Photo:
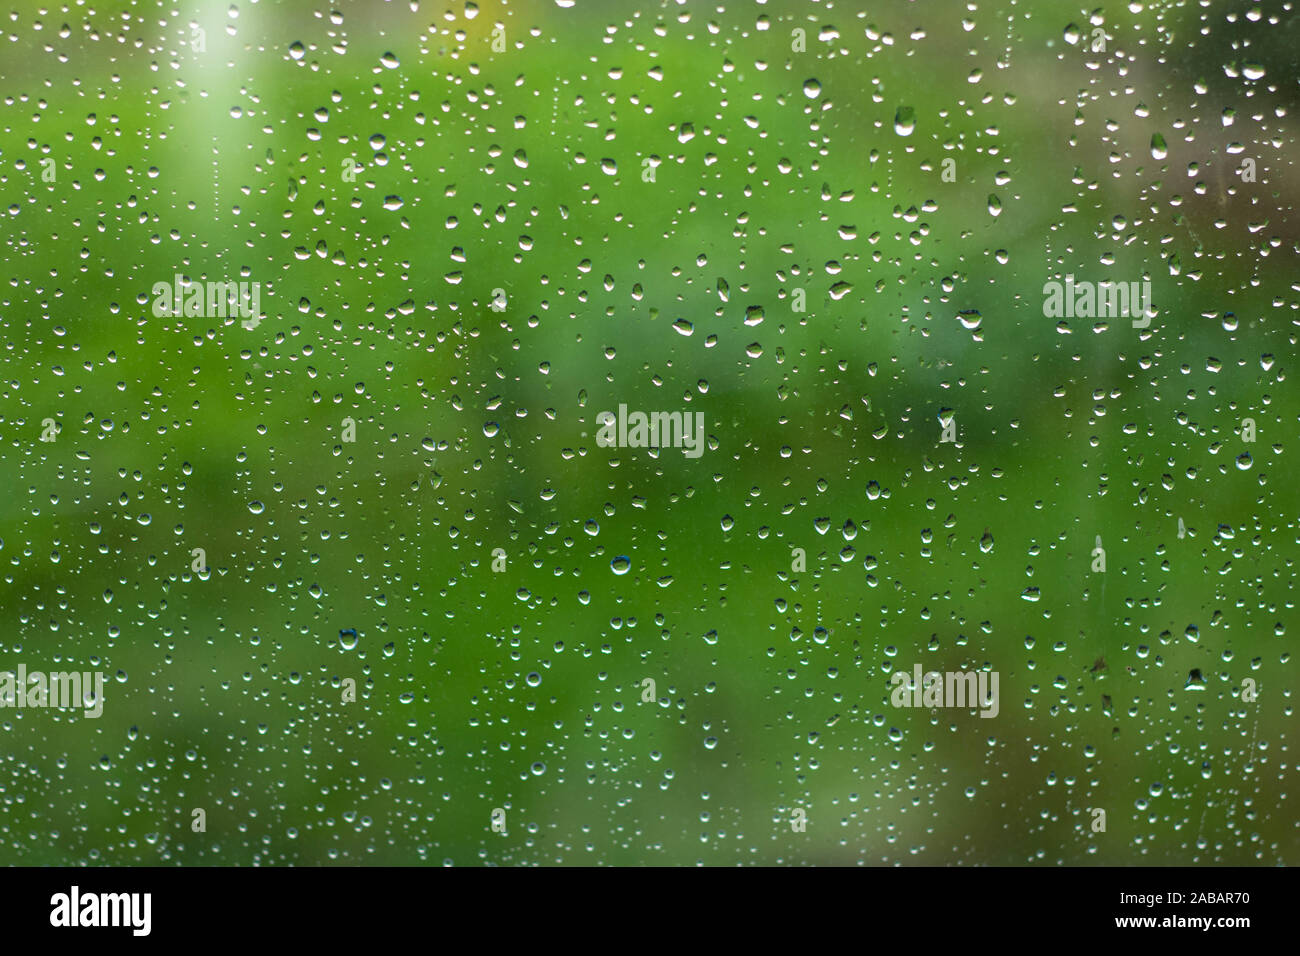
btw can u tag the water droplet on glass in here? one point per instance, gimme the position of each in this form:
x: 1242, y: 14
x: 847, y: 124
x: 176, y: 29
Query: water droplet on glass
x: 904, y: 121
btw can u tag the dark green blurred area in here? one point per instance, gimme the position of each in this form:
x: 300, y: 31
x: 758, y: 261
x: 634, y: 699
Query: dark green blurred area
x: 774, y: 170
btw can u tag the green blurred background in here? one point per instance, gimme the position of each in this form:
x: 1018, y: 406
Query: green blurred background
x: 507, y: 147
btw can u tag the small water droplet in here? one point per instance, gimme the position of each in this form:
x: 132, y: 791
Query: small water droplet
x: 905, y: 121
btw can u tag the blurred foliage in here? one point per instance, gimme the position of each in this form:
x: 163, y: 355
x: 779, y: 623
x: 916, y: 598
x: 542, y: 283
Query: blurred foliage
x: 504, y: 147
